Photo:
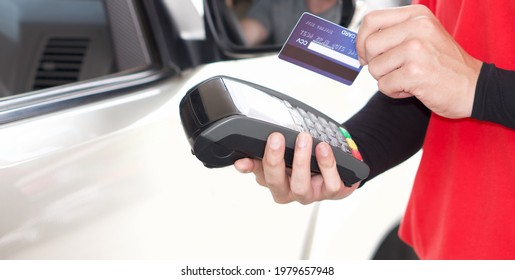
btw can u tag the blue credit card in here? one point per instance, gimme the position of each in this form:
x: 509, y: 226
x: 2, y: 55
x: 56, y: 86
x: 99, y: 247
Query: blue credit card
x: 323, y: 47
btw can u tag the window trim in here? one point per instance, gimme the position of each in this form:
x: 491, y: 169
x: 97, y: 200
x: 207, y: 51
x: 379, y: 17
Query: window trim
x: 37, y: 103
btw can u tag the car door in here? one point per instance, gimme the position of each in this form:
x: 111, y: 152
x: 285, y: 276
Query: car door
x: 94, y: 162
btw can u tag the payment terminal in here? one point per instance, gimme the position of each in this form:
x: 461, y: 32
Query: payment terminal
x: 226, y: 119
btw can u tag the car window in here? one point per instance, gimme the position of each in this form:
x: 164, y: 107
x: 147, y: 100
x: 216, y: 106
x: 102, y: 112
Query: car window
x: 243, y: 27
x: 57, y: 53
x: 51, y: 43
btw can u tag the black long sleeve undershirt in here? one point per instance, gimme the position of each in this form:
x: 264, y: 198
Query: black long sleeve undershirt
x: 494, y: 100
x: 388, y: 131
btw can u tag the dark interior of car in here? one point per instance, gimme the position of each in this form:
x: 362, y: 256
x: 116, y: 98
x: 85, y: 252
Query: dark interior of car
x: 52, y: 42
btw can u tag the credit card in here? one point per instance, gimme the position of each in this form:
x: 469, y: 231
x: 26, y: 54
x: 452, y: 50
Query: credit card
x: 323, y: 47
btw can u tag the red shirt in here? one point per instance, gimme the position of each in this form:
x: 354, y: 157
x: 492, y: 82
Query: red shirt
x: 462, y: 205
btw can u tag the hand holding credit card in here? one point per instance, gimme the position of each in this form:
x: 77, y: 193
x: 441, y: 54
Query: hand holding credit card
x: 323, y: 47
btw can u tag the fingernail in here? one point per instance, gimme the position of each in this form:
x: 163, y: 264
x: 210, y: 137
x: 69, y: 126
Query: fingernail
x: 302, y: 141
x: 275, y: 144
x: 324, y: 151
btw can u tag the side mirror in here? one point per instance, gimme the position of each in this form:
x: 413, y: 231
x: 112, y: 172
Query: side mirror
x: 243, y: 27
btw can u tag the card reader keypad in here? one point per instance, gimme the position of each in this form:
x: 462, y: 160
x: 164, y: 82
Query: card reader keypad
x: 323, y: 130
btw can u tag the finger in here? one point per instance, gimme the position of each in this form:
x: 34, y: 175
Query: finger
x: 247, y: 165
x: 408, y: 51
x: 378, y: 20
x: 244, y: 165
x: 327, y: 164
x: 396, y: 85
x: 387, y: 39
x: 333, y: 186
x: 274, y: 168
x: 259, y: 172
x: 300, y: 183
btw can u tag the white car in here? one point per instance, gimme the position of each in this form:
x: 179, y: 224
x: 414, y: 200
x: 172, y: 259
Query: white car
x: 94, y: 163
